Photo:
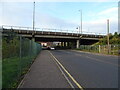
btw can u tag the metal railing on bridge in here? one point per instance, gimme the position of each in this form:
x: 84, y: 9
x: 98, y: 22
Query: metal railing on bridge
x: 50, y: 30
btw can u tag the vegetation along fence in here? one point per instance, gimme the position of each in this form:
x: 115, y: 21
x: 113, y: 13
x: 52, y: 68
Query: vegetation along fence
x: 104, y: 49
x: 18, y: 54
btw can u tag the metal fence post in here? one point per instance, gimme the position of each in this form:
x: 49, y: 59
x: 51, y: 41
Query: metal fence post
x: 1, y: 58
x: 20, y: 56
x: 30, y: 49
x: 99, y: 49
x: 109, y: 49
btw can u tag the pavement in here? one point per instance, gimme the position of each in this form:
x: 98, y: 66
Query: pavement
x: 44, y: 73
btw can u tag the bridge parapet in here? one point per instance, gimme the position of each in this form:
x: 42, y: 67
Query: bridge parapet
x: 47, y: 31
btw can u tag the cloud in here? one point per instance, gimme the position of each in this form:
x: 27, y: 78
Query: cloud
x: 98, y: 22
x: 100, y: 26
x: 109, y: 11
x: 48, y: 21
x: 14, y: 14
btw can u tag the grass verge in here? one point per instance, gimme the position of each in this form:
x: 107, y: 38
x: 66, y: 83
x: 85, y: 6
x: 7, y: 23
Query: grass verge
x: 13, y: 70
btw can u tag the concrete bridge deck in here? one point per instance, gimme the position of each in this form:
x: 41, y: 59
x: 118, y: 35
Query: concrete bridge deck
x: 55, y: 35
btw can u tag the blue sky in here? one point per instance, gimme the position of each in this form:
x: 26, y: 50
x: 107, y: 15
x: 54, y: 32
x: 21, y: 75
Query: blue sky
x: 61, y: 15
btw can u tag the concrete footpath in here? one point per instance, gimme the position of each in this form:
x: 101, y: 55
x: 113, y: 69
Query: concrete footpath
x: 44, y: 73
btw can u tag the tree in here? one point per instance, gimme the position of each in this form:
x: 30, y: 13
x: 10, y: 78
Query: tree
x: 114, y: 39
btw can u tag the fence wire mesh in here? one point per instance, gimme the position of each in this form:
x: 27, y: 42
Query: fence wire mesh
x: 18, y: 54
x: 103, y: 49
x: 0, y: 58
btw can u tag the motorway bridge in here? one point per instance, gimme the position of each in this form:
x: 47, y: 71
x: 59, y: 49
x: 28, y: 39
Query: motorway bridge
x: 51, y: 35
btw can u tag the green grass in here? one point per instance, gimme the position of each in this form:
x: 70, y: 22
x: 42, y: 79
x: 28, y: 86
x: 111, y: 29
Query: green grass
x: 14, y: 69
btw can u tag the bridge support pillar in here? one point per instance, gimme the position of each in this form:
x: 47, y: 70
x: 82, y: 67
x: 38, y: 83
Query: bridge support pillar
x: 33, y: 39
x: 68, y: 44
x: 62, y: 43
x: 78, y: 44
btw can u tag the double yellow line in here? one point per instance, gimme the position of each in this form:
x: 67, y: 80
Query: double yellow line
x: 78, y: 85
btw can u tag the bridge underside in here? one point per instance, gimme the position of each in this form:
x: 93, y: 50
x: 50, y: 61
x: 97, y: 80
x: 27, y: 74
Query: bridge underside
x: 82, y: 41
x: 75, y: 39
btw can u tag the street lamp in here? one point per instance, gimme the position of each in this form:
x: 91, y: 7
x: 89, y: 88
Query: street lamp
x: 81, y: 21
x: 33, y: 18
x: 78, y: 29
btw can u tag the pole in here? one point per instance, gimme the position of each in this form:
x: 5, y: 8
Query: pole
x: 81, y: 21
x: 108, y: 35
x: 33, y: 18
x: 20, y: 55
x: 79, y: 29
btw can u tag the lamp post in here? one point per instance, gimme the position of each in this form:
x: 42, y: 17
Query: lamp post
x: 33, y: 19
x: 81, y: 20
x: 78, y: 29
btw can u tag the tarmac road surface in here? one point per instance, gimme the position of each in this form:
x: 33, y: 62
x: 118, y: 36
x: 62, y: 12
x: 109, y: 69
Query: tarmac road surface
x: 90, y: 70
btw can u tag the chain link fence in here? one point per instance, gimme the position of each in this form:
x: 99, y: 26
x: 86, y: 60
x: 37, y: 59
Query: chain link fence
x: 103, y: 49
x: 18, y: 53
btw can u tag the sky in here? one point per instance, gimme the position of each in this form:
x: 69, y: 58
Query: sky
x: 61, y: 15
